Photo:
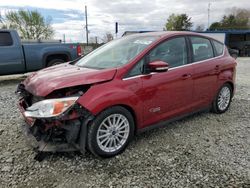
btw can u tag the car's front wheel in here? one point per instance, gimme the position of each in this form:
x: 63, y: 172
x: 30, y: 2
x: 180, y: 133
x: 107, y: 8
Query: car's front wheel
x: 223, y: 99
x: 110, y: 132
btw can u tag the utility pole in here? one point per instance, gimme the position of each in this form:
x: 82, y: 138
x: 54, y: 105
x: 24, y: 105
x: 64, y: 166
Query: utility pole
x: 208, y: 15
x: 116, y: 29
x: 87, y: 31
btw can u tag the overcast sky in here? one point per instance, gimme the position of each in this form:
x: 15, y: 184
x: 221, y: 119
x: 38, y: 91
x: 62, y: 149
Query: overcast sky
x: 68, y: 15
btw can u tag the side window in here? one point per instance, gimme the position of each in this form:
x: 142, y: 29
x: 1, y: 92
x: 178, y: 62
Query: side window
x: 219, y: 48
x: 5, y: 39
x: 173, y: 51
x: 137, y: 69
x: 202, y: 48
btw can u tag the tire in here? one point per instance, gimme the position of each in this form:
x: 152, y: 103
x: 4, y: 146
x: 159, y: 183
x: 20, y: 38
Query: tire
x: 223, y: 99
x: 106, y: 140
x: 55, y: 62
x: 234, y: 56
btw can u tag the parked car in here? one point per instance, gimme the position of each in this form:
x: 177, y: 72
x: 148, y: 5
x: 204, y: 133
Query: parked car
x: 16, y: 57
x: 125, y: 87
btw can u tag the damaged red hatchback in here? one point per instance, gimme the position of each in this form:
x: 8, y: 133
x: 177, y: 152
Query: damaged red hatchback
x: 126, y: 86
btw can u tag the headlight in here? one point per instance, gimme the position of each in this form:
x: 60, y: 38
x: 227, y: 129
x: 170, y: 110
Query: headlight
x: 50, y: 108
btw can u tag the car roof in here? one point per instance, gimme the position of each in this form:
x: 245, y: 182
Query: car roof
x: 165, y: 34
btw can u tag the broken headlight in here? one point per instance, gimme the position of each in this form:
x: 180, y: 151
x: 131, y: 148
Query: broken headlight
x: 50, y: 107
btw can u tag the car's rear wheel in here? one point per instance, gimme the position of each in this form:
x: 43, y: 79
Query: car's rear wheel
x: 223, y: 99
x: 110, y: 132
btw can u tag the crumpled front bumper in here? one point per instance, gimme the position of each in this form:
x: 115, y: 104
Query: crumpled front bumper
x: 74, y: 135
x: 67, y: 132
x: 43, y: 146
x: 57, y: 135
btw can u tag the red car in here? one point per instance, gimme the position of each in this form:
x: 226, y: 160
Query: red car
x: 127, y: 86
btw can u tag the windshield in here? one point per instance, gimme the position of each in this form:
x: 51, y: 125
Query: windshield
x: 116, y: 53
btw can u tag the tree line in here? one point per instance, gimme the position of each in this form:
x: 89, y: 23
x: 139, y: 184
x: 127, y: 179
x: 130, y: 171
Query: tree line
x: 237, y: 19
x: 32, y: 25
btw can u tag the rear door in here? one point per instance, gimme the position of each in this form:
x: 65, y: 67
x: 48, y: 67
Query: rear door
x: 206, y: 69
x: 11, y: 55
x: 168, y: 94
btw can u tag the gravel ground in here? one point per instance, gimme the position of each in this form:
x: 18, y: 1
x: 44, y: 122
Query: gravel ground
x: 205, y: 150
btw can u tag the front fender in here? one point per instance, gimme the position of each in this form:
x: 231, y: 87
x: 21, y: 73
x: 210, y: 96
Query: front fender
x: 102, y: 96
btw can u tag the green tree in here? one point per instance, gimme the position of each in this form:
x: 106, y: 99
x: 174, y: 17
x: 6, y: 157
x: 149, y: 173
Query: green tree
x: 215, y: 26
x: 178, y: 22
x: 236, y: 19
x: 30, y: 24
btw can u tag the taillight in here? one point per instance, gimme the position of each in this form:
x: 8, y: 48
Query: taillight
x: 79, y: 50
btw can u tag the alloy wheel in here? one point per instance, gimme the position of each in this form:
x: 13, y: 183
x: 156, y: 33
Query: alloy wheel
x: 224, y: 98
x: 113, y: 133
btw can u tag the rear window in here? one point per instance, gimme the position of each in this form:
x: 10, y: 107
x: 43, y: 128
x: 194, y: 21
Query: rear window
x: 219, y: 47
x: 5, y: 39
x: 202, y: 49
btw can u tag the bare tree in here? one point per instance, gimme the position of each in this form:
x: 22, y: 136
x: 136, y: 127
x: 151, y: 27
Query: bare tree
x: 108, y: 37
x: 2, y: 25
x: 200, y: 27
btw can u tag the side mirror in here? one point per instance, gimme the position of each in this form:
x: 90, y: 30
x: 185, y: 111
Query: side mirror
x: 158, y: 66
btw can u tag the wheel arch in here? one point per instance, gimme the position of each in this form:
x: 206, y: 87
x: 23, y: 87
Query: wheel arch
x: 60, y: 55
x: 130, y: 109
x: 231, y: 84
x: 132, y: 112
x: 227, y: 82
x: 227, y: 76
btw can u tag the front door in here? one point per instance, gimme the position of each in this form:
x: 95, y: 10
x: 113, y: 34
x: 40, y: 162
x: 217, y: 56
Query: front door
x: 168, y: 94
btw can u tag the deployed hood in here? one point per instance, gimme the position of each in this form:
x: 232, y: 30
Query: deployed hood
x: 45, y: 81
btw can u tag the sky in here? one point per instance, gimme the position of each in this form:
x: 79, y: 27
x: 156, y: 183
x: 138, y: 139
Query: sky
x: 68, y: 15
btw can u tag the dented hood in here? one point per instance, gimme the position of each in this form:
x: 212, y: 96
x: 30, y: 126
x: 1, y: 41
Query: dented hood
x: 45, y: 81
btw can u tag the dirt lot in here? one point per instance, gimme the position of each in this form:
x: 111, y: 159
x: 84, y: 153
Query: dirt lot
x: 205, y: 150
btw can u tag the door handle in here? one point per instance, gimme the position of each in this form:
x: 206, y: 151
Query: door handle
x: 186, y: 76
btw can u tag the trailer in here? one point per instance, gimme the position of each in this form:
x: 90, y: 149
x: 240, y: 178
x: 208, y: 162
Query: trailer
x: 234, y: 39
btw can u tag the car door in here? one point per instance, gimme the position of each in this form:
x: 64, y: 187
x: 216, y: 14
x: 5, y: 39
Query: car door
x: 206, y: 69
x: 168, y: 94
x: 11, y: 57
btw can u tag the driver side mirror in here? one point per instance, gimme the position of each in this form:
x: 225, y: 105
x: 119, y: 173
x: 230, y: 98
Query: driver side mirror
x: 158, y: 66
